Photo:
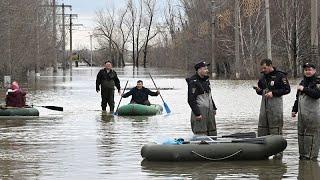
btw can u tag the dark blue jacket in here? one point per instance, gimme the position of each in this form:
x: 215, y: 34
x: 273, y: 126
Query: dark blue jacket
x: 139, y: 96
x: 198, y: 86
x: 276, y: 82
x: 311, y: 88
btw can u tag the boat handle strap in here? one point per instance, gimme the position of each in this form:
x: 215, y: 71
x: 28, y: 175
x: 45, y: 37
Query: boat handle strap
x: 217, y: 159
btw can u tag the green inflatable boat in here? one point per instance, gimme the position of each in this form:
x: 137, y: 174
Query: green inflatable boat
x: 13, y: 111
x: 235, y: 149
x: 139, y: 110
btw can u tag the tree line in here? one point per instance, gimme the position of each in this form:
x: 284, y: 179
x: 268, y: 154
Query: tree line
x: 191, y: 35
x: 27, y: 37
x: 184, y: 34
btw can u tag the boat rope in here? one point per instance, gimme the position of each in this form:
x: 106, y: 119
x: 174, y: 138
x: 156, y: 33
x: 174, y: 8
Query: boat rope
x: 217, y: 159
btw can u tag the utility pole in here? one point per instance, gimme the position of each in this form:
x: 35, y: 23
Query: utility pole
x: 64, y: 63
x: 54, y: 7
x: 70, y: 31
x: 37, y: 42
x: 268, y: 30
x: 237, y: 39
x: 91, y: 50
x: 63, y: 6
x: 314, y: 32
x: 213, y: 41
x: 54, y: 31
x: 9, y: 39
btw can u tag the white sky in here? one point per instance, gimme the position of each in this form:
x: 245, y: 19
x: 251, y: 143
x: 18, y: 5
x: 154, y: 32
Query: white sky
x: 86, y: 10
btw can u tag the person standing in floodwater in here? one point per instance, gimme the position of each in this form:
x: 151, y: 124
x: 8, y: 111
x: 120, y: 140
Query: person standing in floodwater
x: 307, y: 105
x: 107, y: 78
x: 201, y: 102
x: 272, y: 86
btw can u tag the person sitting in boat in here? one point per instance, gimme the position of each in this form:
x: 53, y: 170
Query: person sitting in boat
x: 140, y: 94
x: 15, y: 97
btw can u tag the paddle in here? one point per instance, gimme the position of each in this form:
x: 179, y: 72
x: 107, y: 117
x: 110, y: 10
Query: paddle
x: 166, y: 107
x: 54, y: 108
x: 209, y: 140
x: 249, y: 137
x: 235, y: 135
x: 116, y: 113
x: 241, y: 135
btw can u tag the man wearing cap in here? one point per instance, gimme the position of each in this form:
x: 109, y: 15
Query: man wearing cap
x: 201, y: 102
x: 107, y: 78
x: 307, y: 105
x: 272, y: 86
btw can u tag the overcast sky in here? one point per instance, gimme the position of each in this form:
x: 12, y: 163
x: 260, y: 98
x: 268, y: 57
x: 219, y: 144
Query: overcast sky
x: 86, y: 10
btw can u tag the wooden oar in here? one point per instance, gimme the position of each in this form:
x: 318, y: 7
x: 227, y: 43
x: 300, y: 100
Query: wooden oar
x: 166, y: 107
x: 54, y: 108
x: 116, y: 112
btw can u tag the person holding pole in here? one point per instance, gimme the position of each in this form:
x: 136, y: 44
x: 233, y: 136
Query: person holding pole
x: 140, y: 94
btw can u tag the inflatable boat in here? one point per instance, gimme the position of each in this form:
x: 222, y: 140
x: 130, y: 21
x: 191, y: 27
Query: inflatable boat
x: 139, y: 110
x: 221, y: 149
x: 15, y: 111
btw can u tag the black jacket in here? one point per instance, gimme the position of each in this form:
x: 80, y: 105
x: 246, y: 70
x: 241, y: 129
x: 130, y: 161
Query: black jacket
x: 311, y: 88
x: 139, y: 96
x: 276, y: 82
x: 197, y: 86
x: 110, y: 77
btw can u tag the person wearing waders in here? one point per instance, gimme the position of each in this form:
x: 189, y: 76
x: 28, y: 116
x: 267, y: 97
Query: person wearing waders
x: 201, y: 103
x: 307, y: 105
x: 107, y: 78
x: 272, y: 86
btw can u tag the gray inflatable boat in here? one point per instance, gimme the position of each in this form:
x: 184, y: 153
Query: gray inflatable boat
x: 236, y: 149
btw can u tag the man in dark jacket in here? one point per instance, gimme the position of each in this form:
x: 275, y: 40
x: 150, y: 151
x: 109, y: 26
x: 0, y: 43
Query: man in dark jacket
x: 307, y: 105
x: 140, y: 94
x: 107, y: 78
x: 272, y: 86
x: 201, y: 102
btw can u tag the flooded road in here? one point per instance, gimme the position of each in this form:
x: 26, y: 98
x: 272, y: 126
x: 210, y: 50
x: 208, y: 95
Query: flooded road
x: 84, y: 143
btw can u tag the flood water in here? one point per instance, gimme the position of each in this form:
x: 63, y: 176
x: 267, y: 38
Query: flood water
x: 84, y: 143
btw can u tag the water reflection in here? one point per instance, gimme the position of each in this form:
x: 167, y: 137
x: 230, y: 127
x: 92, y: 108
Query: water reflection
x: 58, y: 145
x: 14, y: 122
x: 308, y: 170
x: 263, y: 170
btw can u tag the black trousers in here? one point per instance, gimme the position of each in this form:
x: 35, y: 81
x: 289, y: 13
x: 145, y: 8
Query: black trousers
x: 146, y: 102
x: 107, y: 96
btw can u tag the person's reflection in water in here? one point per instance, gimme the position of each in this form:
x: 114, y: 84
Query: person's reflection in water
x: 275, y: 170
x: 265, y: 170
x: 308, y: 170
x: 106, y: 117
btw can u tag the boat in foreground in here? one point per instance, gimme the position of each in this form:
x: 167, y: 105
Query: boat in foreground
x: 236, y: 149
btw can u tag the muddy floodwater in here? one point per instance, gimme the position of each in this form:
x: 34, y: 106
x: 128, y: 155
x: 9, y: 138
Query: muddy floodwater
x: 83, y: 143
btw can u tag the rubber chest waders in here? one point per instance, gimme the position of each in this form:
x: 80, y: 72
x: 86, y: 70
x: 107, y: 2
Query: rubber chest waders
x: 271, y: 116
x: 308, y: 126
x: 207, y: 125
